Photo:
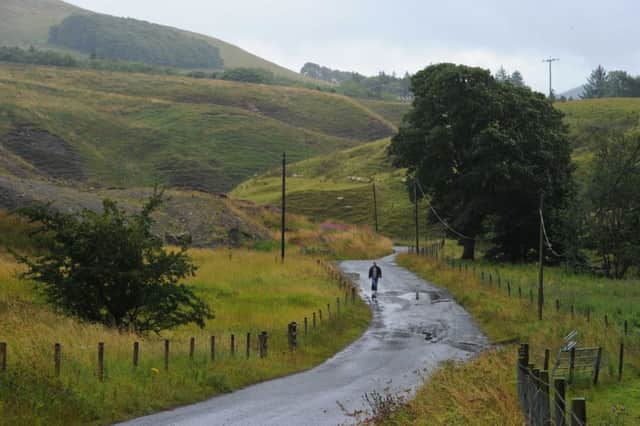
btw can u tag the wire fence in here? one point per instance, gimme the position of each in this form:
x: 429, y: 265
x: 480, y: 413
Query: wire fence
x: 617, y: 355
x: 544, y: 403
x: 232, y: 346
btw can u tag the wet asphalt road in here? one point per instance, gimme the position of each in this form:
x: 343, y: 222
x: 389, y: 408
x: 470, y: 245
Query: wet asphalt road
x: 392, y: 356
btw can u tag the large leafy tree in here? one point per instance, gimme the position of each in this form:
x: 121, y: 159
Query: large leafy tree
x: 615, y: 200
x: 483, y: 151
x: 109, y: 268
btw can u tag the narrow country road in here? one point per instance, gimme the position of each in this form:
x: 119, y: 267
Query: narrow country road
x: 392, y: 356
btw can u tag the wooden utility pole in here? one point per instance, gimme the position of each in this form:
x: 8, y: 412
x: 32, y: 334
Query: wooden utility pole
x: 284, y: 203
x: 541, y: 261
x: 375, y: 207
x: 550, y: 61
x: 415, y: 198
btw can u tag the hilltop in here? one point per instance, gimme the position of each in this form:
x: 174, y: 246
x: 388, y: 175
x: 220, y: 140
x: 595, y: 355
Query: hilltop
x: 28, y: 22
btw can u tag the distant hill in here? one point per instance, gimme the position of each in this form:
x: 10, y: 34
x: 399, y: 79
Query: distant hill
x: 98, y: 128
x: 28, y: 22
x: 575, y: 93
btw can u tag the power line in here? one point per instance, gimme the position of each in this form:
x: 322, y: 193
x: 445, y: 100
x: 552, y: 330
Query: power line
x: 444, y: 223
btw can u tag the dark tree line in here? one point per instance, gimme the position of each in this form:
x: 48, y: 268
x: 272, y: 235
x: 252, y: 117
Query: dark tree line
x: 132, y: 40
x: 611, y: 84
x: 514, y: 78
x: 51, y: 58
x: 381, y: 86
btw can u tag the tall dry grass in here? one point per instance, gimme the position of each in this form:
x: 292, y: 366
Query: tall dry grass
x: 249, y: 292
x: 487, y: 386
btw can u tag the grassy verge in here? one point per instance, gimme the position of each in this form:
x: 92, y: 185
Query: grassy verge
x: 484, y: 390
x: 250, y: 292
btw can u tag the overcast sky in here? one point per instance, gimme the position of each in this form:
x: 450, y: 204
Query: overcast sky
x: 407, y: 35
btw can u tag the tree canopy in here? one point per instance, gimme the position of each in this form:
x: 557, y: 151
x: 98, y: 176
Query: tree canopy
x: 109, y: 268
x: 484, y: 151
x: 514, y: 78
x: 613, y: 84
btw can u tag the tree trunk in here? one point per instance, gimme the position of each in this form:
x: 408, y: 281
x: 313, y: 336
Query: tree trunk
x: 469, y: 249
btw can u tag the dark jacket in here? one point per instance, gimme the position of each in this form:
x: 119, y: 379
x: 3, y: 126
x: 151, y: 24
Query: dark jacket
x: 378, y: 271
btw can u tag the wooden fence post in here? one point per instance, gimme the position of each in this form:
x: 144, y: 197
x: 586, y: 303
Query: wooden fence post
x: 626, y: 328
x: 101, y: 361
x: 233, y: 345
x: 328, y: 311
x: 573, y: 314
x: 572, y: 363
x: 545, y: 407
x: 320, y: 315
x: 192, y: 347
x: 353, y: 295
x: 546, y: 359
x: 292, y: 332
x: 306, y: 326
x: 337, y: 306
x: 596, y: 369
x: 606, y: 320
x: 3, y: 357
x: 620, y: 362
x: 557, y: 305
x: 57, y: 356
x: 263, y: 344
x: 248, y: 345
x: 136, y: 353
x: 560, y: 416
x: 166, y: 354
x: 519, y: 292
x: 212, y: 347
x: 509, y: 288
x: 578, y: 412
x: 313, y: 321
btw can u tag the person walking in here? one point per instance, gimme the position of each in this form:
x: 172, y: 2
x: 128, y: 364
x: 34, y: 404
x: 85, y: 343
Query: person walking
x: 375, y: 274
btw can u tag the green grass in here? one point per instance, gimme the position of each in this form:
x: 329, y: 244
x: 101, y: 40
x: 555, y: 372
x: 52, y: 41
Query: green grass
x: 470, y: 399
x: 27, y: 22
x: 137, y: 130
x: 339, y: 186
x: 244, y: 301
x: 589, y: 120
x: 392, y: 111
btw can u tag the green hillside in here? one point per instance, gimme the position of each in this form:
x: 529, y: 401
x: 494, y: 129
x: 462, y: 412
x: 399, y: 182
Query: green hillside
x: 392, y: 111
x: 104, y: 128
x: 27, y: 22
x: 325, y: 187
x: 340, y: 186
